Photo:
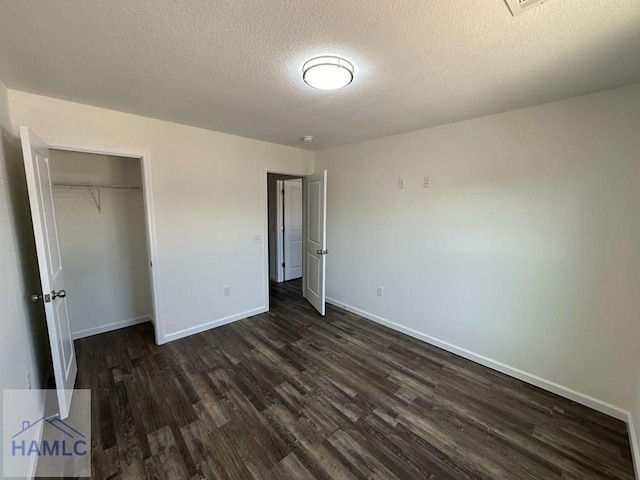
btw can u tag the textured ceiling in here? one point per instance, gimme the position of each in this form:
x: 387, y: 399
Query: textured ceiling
x: 234, y: 65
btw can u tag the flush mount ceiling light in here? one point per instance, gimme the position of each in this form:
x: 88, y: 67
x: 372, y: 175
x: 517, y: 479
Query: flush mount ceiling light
x: 327, y: 73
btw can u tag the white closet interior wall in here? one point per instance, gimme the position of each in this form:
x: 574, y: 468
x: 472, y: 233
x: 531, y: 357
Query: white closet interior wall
x: 104, y: 250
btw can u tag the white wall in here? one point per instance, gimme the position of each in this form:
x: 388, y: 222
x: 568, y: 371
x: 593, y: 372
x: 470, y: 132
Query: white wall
x: 104, y: 252
x: 523, y: 252
x: 23, y: 336
x: 210, y: 202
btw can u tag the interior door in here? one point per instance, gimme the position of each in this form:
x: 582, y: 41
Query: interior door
x: 39, y: 185
x: 314, y: 194
x: 292, y: 229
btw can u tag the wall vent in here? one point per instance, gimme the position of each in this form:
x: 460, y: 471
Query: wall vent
x: 519, y: 6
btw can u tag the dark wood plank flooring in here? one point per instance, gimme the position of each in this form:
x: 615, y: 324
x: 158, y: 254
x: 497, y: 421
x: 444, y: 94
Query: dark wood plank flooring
x: 291, y: 395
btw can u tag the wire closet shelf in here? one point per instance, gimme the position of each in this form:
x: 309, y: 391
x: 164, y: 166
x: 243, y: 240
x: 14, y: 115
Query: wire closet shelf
x: 95, y: 190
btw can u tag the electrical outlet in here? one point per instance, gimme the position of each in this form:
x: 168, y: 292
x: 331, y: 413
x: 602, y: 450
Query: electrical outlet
x: 227, y: 290
x: 380, y: 291
x: 28, y: 382
x: 427, y: 182
x: 401, y: 183
x: 258, y: 239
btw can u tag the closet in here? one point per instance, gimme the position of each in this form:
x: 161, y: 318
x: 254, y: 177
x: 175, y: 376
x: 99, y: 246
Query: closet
x: 99, y: 208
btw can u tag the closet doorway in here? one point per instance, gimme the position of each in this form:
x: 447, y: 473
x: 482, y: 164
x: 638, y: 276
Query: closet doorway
x: 100, y: 216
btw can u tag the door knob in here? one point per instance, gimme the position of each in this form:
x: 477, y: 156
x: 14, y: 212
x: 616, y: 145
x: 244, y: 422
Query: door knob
x: 60, y: 294
x: 36, y: 297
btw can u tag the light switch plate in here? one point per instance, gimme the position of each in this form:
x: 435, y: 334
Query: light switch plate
x: 401, y: 183
x: 427, y: 182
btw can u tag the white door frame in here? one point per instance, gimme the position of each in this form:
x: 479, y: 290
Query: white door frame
x: 149, y: 213
x: 301, y: 172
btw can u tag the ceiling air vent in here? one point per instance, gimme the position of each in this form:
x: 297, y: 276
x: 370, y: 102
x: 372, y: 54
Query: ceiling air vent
x: 519, y: 6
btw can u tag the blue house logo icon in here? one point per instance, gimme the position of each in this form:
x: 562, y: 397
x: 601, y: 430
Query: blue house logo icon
x: 70, y: 442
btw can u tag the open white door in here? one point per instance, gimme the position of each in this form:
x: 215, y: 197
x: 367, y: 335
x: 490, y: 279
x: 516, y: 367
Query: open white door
x: 292, y: 229
x: 314, y: 195
x: 37, y: 169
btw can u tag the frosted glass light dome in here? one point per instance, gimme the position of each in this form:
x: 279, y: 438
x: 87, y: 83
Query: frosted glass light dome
x: 327, y: 73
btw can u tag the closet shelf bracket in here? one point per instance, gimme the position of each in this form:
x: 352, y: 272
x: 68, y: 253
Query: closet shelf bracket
x: 95, y: 193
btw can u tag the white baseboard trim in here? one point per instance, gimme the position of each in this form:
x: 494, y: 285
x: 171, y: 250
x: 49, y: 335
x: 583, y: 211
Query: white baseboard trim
x: 565, y: 392
x: 213, y: 324
x: 88, y: 332
x: 635, y: 446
